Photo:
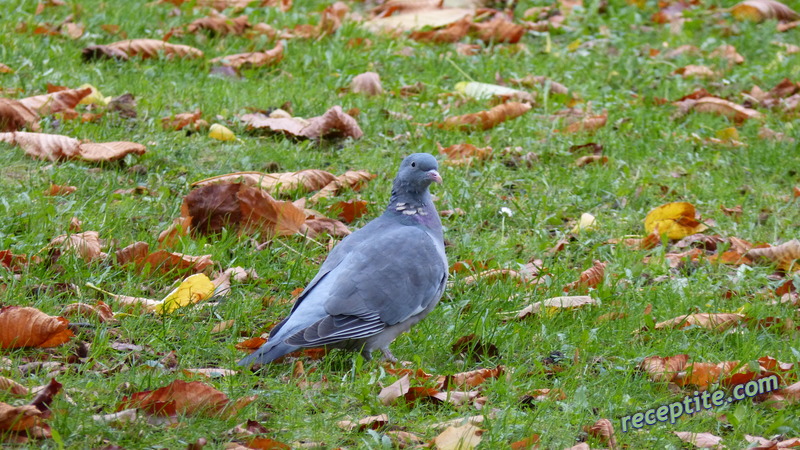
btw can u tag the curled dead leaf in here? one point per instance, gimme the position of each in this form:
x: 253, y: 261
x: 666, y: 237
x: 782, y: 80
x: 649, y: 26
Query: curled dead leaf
x: 499, y: 29
x: 663, y: 368
x: 55, y: 147
x: 588, y: 124
x: 252, y: 59
x: 554, y: 304
x: 589, y: 278
x: 367, y: 83
x: 452, y: 32
x: 760, y: 10
x: 144, y: 48
x: 181, y: 397
x: 485, y: 120
x: 86, y: 244
x: 29, y: 327
x: 709, y: 321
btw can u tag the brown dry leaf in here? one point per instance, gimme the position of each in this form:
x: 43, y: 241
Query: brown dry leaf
x: 663, y: 368
x: 5, y: 69
x: 180, y: 121
x: 144, y: 48
x: 470, y: 379
x: 453, y: 32
x: 784, y: 254
x: 276, y: 183
x: 710, y: 321
x: 167, y: 262
x: 351, y: 210
x: 601, y: 160
x: 485, y: 120
x: 529, y: 443
x: 465, y: 437
x: 16, y: 116
x: 332, y: 227
x: 252, y: 59
x: 725, y: 108
x: 693, y: 70
x: 701, y: 440
x: 29, y: 327
x: 352, y: 179
x: 774, y: 444
x: 371, y: 422
x: 180, y: 397
x: 728, y: 52
x: 59, y: 101
x: 215, y: 206
x: 459, y: 154
x: 554, y: 304
x: 492, y: 275
x: 55, y: 147
x: 588, y: 124
x: 334, y: 123
x: 367, y: 83
x: 133, y: 253
x: 251, y: 344
x: 760, y: 10
x: 13, y: 262
x: 218, y: 24
x: 19, y: 418
x: 589, y: 278
x: 86, y: 244
x: 56, y: 189
x: 10, y: 386
x: 499, y: 29
x: 100, y: 310
x: 398, y: 389
x: 603, y: 429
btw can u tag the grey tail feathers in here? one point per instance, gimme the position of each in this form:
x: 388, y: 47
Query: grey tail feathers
x: 267, y: 353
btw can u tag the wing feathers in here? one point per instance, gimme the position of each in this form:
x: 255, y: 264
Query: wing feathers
x: 333, y: 329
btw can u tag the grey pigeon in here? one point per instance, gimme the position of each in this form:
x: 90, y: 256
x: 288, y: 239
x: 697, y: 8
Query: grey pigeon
x: 378, y: 282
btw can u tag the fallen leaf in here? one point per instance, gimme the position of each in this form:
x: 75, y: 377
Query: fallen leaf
x: 29, y: 327
x: 760, y: 10
x: 693, y: 70
x: 334, y: 123
x: 485, y: 120
x: 55, y: 190
x: 587, y: 222
x: 663, y: 368
x: 276, y: 183
x: 499, y: 30
x: 676, y: 220
x: 55, y: 147
x: 55, y: 102
x: 10, y: 386
x: 710, y: 321
x: 370, y: 422
x: 485, y: 91
x: 554, y: 304
x: 589, y: 278
x: 728, y: 52
x: 193, y: 289
x: 367, y: 83
x: 600, y: 160
x: 86, y: 244
x: 700, y: 440
x: 252, y: 59
x: 189, y: 398
x: 180, y: 121
x: 725, y: 108
x: 784, y: 254
x: 219, y: 24
x: 144, y: 48
x: 588, y: 124
x: 99, y: 310
x: 603, y: 429
x: 459, y: 154
x: 465, y: 437
x: 351, y: 210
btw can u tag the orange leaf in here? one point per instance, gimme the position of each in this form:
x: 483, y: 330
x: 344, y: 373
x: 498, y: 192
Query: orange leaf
x: 589, y: 278
x: 180, y: 121
x: 144, y: 48
x: 180, y: 397
x: 350, y: 210
x: 218, y: 24
x: 485, y: 120
x: 55, y: 189
x: 29, y: 327
x: 587, y: 124
x: 663, y: 368
x: 499, y: 29
x: 453, y: 32
x: 760, y: 10
x: 725, y: 108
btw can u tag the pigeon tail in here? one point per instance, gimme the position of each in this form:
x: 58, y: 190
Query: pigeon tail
x: 268, y: 353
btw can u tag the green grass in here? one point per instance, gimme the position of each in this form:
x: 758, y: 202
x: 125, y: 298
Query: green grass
x: 644, y: 144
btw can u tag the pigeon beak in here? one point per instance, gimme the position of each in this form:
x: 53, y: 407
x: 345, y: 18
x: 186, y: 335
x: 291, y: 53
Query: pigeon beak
x: 434, y: 175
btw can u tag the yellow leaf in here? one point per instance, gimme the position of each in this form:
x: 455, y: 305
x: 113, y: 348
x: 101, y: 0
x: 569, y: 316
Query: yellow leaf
x: 192, y: 290
x: 221, y: 133
x: 587, y: 222
x: 676, y: 220
x: 574, y: 45
x: 94, y: 98
x: 728, y: 134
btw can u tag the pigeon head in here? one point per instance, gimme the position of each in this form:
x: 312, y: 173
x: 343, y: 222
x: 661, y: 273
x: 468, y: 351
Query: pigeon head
x: 416, y: 173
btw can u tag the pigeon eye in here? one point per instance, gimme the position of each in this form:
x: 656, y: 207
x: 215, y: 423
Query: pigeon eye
x: 413, y: 164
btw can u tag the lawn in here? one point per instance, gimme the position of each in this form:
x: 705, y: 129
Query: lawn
x: 520, y: 198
